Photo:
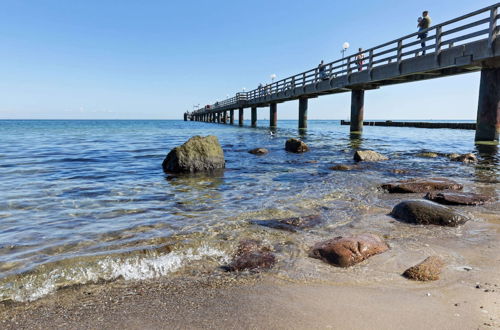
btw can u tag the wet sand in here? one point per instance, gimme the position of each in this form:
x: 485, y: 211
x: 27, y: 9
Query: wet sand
x: 362, y: 297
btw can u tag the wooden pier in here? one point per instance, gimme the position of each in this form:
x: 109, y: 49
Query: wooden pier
x: 462, y: 45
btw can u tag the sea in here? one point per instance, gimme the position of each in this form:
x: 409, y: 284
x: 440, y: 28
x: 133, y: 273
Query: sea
x: 87, y: 201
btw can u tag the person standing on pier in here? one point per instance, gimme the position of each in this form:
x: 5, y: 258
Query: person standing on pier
x: 360, y: 60
x: 321, y: 70
x: 423, y: 24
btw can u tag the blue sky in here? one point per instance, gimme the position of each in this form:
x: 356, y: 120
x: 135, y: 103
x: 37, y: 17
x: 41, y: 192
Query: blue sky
x: 156, y: 59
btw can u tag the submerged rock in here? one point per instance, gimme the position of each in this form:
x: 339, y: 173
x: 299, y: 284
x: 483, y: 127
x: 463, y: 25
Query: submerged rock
x: 465, y: 158
x: 399, y: 171
x: 198, y: 154
x: 296, y: 146
x: 428, y: 154
x: 427, y: 213
x: 251, y: 255
x: 419, y: 185
x: 427, y: 270
x: 457, y: 198
x: 348, y: 251
x: 368, y: 156
x: 291, y: 224
x: 343, y: 167
x: 259, y: 151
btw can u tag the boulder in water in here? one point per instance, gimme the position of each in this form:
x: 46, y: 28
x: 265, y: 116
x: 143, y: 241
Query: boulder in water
x: 198, y: 154
x: 427, y: 213
x: 344, y: 167
x: 419, y: 185
x: 296, y: 146
x: 348, y: 251
x: 427, y: 270
x: 259, y: 151
x: 291, y: 224
x: 368, y: 156
x: 469, y: 158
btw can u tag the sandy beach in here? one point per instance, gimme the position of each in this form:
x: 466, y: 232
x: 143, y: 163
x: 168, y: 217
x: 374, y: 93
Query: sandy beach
x: 466, y: 297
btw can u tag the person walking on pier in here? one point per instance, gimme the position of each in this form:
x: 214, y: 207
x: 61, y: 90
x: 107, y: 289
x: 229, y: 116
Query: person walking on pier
x: 321, y: 70
x: 423, y: 23
x: 360, y: 60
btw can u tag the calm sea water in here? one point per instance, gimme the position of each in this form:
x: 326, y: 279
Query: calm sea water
x: 83, y: 201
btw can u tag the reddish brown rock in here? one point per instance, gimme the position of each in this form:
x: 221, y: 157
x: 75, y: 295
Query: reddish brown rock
x: 427, y: 270
x: 251, y: 255
x: 291, y: 224
x: 259, y: 151
x: 296, y: 146
x: 348, y: 251
x: 457, y: 198
x: 419, y: 185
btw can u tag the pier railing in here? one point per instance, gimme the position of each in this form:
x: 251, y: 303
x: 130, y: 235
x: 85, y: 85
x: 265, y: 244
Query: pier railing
x: 478, y: 25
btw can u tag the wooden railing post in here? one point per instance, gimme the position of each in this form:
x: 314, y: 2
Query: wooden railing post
x: 493, y: 28
x: 348, y: 65
x: 370, y: 60
x: 439, y: 31
x: 400, y: 51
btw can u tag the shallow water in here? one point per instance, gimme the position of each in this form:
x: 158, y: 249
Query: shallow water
x: 86, y: 201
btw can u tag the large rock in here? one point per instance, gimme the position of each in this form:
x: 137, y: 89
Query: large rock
x: 348, y: 251
x: 368, y: 156
x: 251, y: 255
x: 457, y: 198
x: 419, y: 185
x: 427, y: 213
x: 291, y: 224
x: 465, y: 158
x: 427, y: 270
x: 259, y: 151
x: 296, y: 146
x: 198, y: 154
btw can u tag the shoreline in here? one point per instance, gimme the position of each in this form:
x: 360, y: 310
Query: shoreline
x: 354, y: 298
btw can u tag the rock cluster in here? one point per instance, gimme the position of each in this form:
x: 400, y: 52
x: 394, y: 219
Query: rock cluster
x: 198, y: 154
x: 348, y: 251
x: 296, y: 146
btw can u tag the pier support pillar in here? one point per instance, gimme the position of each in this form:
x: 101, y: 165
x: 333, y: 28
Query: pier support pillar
x: 185, y: 117
x: 218, y: 118
x: 488, y: 112
x: 273, y: 115
x: 357, y: 110
x: 240, y: 116
x: 225, y: 117
x: 254, y: 117
x: 231, y: 117
x: 303, y: 113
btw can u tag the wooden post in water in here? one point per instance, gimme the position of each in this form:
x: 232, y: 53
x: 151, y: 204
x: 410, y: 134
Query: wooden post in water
x: 254, y: 117
x: 231, y: 117
x: 273, y: 115
x: 303, y: 112
x: 488, y: 112
x: 240, y: 117
x: 357, y: 109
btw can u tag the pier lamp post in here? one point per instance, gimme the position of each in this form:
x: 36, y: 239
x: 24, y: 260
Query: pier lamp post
x: 345, y: 47
x: 273, y: 76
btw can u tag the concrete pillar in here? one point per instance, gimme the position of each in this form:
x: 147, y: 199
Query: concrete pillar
x: 357, y: 109
x: 488, y: 112
x: 240, y: 117
x: 254, y: 117
x: 273, y: 115
x: 303, y: 113
x: 231, y: 117
x: 185, y: 116
x: 218, y: 118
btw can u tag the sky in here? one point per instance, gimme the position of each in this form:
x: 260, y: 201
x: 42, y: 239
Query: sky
x: 110, y: 59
